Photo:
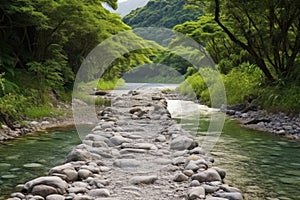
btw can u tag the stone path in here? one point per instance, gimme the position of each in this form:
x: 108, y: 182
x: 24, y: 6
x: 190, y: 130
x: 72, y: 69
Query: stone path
x: 135, y: 152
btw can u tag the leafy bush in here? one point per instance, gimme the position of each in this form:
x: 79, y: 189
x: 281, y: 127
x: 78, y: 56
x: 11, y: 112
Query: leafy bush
x: 42, y: 111
x: 242, y: 82
x: 204, y: 85
x: 281, y: 98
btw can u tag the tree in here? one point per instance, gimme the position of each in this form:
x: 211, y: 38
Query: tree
x: 268, y: 30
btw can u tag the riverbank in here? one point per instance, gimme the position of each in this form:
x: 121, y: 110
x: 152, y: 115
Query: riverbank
x: 283, y: 124
x: 135, y: 152
x: 27, y: 127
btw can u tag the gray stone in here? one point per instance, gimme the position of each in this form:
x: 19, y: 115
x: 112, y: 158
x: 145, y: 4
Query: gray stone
x: 56, y: 182
x: 118, y: 140
x: 179, y: 160
x: 77, y: 190
x: 210, y: 188
x: 83, y: 197
x: 229, y: 195
x: 99, y: 193
x: 79, y: 155
x: 195, y: 183
x: 143, y: 180
x: 80, y: 184
x: 37, y: 197
x: 160, y: 138
x: 146, y: 146
x: 43, y: 190
x: 228, y: 188
x: 17, y: 195
x: 126, y: 163
x: 99, y: 144
x: 180, y: 177
x: 66, y: 169
x: 188, y: 172
x: 55, y: 197
x: 214, y: 198
x: 182, y: 143
x: 192, y: 166
x: 84, y: 174
x: 207, y: 176
x: 221, y: 172
x: 196, y: 193
x: 129, y: 150
x: 197, y: 150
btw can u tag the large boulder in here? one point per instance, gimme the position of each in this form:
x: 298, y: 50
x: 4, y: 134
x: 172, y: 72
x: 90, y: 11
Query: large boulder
x: 67, y: 170
x: 57, y: 183
x: 79, y: 155
x: 182, y: 143
x: 207, y: 176
x: 43, y: 190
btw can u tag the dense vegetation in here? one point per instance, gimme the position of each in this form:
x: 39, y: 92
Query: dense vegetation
x: 161, y: 13
x: 256, y: 46
x: 43, y: 43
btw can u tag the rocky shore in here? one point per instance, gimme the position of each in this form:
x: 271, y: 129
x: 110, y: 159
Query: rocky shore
x: 283, y: 124
x: 136, y: 151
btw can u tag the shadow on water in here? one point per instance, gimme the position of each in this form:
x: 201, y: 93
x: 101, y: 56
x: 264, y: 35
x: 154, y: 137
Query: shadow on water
x: 28, y: 157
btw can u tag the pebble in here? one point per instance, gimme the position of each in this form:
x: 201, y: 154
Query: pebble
x: 129, y: 155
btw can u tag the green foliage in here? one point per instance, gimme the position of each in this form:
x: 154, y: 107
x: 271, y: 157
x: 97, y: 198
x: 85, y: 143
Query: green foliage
x: 242, y: 82
x: 203, y: 85
x: 12, y: 107
x: 109, y: 84
x: 161, y: 13
x: 281, y: 98
x: 41, y: 111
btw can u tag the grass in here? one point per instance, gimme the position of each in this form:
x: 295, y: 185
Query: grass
x: 40, y: 112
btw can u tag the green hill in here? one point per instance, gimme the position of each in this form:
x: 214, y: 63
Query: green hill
x: 161, y: 13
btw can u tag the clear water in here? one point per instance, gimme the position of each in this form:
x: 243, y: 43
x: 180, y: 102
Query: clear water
x: 28, y: 157
x: 262, y: 165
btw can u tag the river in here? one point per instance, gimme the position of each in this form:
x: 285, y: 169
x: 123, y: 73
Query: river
x: 263, y: 166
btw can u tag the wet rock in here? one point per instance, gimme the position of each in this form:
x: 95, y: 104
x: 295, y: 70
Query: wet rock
x: 228, y: 188
x: 197, y: 150
x: 99, y: 193
x: 221, y: 172
x: 180, y: 177
x: 229, y: 195
x: 182, y: 143
x: 143, y: 180
x: 79, y: 155
x: 43, y: 190
x: 207, y: 176
x: 55, y: 182
x: 67, y: 170
x: 55, y: 197
x: 196, y: 193
x: 17, y: 195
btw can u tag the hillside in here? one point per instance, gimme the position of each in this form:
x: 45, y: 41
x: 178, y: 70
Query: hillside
x: 161, y: 13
